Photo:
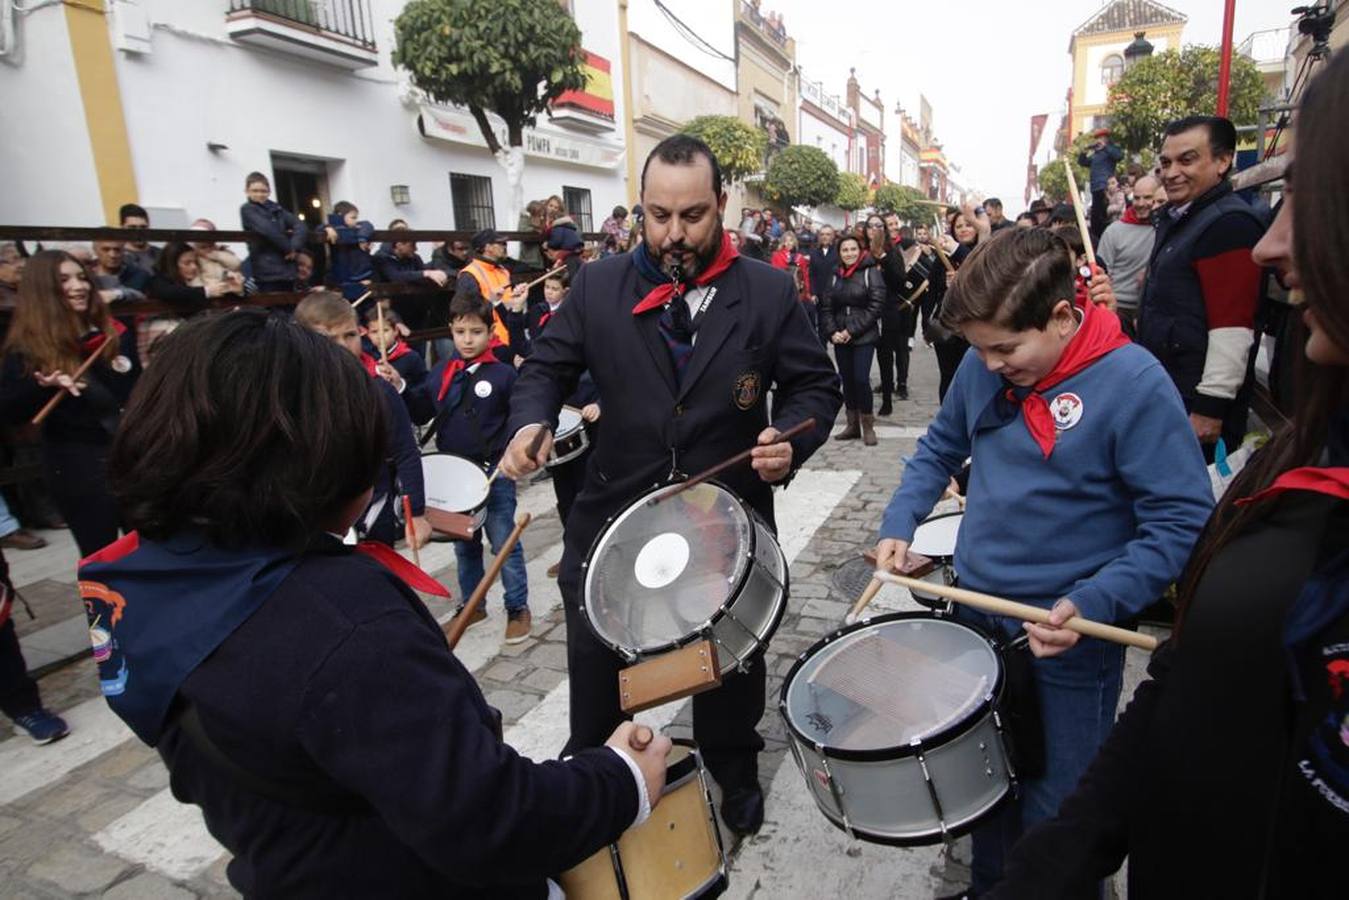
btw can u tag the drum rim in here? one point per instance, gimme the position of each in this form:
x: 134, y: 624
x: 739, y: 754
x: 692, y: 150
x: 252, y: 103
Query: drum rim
x: 745, y: 567
x: 945, y: 559
x: 486, y: 489
x: 976, y: 715
x: 927, y: 839
x: 580, y: 422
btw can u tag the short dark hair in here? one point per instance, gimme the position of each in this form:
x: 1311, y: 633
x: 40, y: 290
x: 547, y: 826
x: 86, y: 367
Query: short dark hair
x: 255, y: 177
x: 1013, y: 280
x: 248, y: 428
x: 620, y: 212
x: 131, y: 209
x: 1072, y: 236
x: 167, y: 264
x: 342, y: 207
x: 560, y: 276
x: 684, y: 150
x: 324, y: 309
x: 468, y: 305
x: 1222, y: 134
x: 992, y: 201
x: 373, y: 315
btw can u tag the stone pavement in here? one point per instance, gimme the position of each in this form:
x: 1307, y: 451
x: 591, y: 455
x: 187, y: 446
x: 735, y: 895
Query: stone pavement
x: 92, y: 816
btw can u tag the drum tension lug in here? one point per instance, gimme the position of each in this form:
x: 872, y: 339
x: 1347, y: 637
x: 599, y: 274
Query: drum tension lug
x: 932, y: 792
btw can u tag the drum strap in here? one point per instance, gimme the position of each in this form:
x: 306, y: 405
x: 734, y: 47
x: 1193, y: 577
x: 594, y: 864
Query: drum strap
x: 445, y: 412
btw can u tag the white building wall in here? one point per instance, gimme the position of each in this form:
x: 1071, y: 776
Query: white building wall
x: 1097, y: 91
x: 198, y: 86
x: 711, y: 20
x: 831, y: 137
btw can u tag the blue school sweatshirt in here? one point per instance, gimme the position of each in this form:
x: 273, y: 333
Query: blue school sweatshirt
x: 1107, y: 521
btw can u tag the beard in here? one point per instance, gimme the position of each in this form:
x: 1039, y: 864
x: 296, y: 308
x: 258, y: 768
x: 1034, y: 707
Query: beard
x: 680, y: 268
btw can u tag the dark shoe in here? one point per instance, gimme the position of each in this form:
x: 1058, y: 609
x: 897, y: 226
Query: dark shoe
x: 519, y: 625
x: 479, y: 615
x: 554, y: 569
x: 742, y: 810
x: 43, y: 727
x: 23, y: 539
x: 886, y: 409
x: 903, y: 392
x: 52, y: 523
x: 868, y: 429
x: 852, y: 431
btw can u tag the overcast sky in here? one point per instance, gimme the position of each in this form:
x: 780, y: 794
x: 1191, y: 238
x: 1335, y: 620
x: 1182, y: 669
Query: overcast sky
x: 986, y: 66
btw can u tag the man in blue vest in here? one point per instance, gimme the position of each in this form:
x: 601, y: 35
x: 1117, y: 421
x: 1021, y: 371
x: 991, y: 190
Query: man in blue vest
x: 684, y: 339
x: 1197, y: 313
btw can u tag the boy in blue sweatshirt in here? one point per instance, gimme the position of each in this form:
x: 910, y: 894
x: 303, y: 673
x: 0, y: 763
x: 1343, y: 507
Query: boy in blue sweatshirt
x: 469, y: 398
x: 351, y: 267
x: 1087, y: 490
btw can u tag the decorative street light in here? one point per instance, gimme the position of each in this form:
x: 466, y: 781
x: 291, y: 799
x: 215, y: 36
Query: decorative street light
x: 1139, y: 49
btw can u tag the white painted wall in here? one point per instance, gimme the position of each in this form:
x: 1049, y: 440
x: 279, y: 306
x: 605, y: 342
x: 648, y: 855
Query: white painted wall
x: 828, y: 136
x: 45, y: 158
x: 711, y: 20
x: 198, y: 86
x: 1096, y: 92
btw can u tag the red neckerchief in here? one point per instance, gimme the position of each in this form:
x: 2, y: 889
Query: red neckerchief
x: 409, y: 574
x: 1129, y: 218
x: 1096, y: 336
x: 368, y: 362
x: 95, y: 341
x: 659, y: 296
x: 547, y: 314
x: 1332, y: 481
x: 459, y: 364
x: 398, y: 350
x: 847, y: 273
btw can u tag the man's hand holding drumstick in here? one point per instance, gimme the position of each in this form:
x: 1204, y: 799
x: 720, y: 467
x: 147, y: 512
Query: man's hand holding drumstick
x: 527, y: 452
x: 648, y: 750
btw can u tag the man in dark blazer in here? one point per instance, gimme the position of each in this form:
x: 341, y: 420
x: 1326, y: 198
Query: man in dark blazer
x: 684, y: 340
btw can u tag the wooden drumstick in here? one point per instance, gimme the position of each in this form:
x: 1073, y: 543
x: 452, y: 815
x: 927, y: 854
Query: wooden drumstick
x: 1081, y: 218
x: 546, y: 275
x: 383, y: 350
x: 454, y: 630
x: 732, y: 461
x: 61, y: 392
x: 1001, y: 607
x: 873, y: 588
x: 640, y: 738
x: 941, y: 254
x: 532, y: 450
x: 411, y: 531
x: 359, y: 300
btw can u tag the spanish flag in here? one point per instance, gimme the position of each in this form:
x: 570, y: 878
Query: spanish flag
x: 598, y: 96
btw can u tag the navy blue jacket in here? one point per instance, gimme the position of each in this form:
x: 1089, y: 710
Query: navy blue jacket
x: 278, y: 232
x: 405, y: 460
x: 342, y: 677
x: 480, y: 400
x: 754, y: 336
x: 1101, y: 164
x: 90, y: 418
x: 350, y: 259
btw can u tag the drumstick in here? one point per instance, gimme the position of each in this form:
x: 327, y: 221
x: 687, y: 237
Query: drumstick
x: 546, y: 275
x: 936, y: 245
x: 411, y: 531
x: 867, y: 596
x: 640, y: 738
x: 61, y: 392
x: 454, y: 630
x: 532, y: 450
x: 359, y: 300
x: 383, y: 351
x: 732, y: 461
x: 999, y: 606
x: 1081, y: 219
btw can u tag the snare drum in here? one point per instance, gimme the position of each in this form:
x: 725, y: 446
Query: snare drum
x: 698, y: 564
x: 455, y: 485
x: 893, y: 723
x: 935, y: 538
x: 571, y: 440
x: 674, y: 855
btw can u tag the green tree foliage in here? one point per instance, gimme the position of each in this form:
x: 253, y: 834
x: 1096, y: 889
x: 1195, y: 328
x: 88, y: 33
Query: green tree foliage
x: 801, y: 176
x: 738, y: 147
x: 1172, y: 84
x: 510, y: 57
x: 1054, y: 181
x: 852, y: 191
x: 906, y: 202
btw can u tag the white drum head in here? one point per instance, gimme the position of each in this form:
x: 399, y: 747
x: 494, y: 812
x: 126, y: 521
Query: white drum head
x: 659, y: 573
x: 936, y: 537
x: 568, y: 420
x: 453, y: 483
x: 890, y: 683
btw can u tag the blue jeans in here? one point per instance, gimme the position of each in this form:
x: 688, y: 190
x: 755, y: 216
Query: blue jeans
x: 1079, y: 692
x: 499, y: 524
x: 854, y: 367
x: 8, y: 524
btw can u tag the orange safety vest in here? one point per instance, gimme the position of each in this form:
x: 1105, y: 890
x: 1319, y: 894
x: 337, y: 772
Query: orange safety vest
x: 491, y: 278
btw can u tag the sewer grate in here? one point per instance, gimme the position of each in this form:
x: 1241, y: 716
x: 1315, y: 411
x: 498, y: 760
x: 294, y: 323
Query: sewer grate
x: 852, y: 577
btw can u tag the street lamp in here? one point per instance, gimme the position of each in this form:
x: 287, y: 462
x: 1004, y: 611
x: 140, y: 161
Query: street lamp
x: 1139, y: 49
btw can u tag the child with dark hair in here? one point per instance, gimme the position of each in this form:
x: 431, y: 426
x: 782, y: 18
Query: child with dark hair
x: 1081, y: 498
x: 297, y: 689
x: 331, y: 316
x: 468, y: 398
x: 278, y: 236
x: 381, y: 331
x: 350, y: 266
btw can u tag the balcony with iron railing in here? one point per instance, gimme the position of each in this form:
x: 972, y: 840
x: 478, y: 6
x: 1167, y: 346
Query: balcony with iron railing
x: 336, y: 32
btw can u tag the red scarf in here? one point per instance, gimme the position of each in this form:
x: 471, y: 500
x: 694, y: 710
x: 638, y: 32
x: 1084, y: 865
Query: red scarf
x: 1332, y: 481
x: 658, y: 297
x: 398, y: 350
x: 459, y: 364
x: 368, y: 362
x: 845, y: 274
x: 95, y: 340
x: 1129, y: 218
x: 409, y: 574
x: 1096, y: 336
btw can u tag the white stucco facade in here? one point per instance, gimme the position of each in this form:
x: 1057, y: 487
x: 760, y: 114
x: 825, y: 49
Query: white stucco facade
x: 194, y: 85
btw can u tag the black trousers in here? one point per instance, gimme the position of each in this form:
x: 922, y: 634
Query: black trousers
x: 567, y: 481
x: 892, y: 351
x: 77, y: 476
x: 1098, y: 218
x: 949, y: 354
x: 18, y: 692
x: 725, y: 720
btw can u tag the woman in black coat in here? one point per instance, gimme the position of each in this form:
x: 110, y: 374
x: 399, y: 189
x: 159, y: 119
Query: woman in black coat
x: 850, y: 317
